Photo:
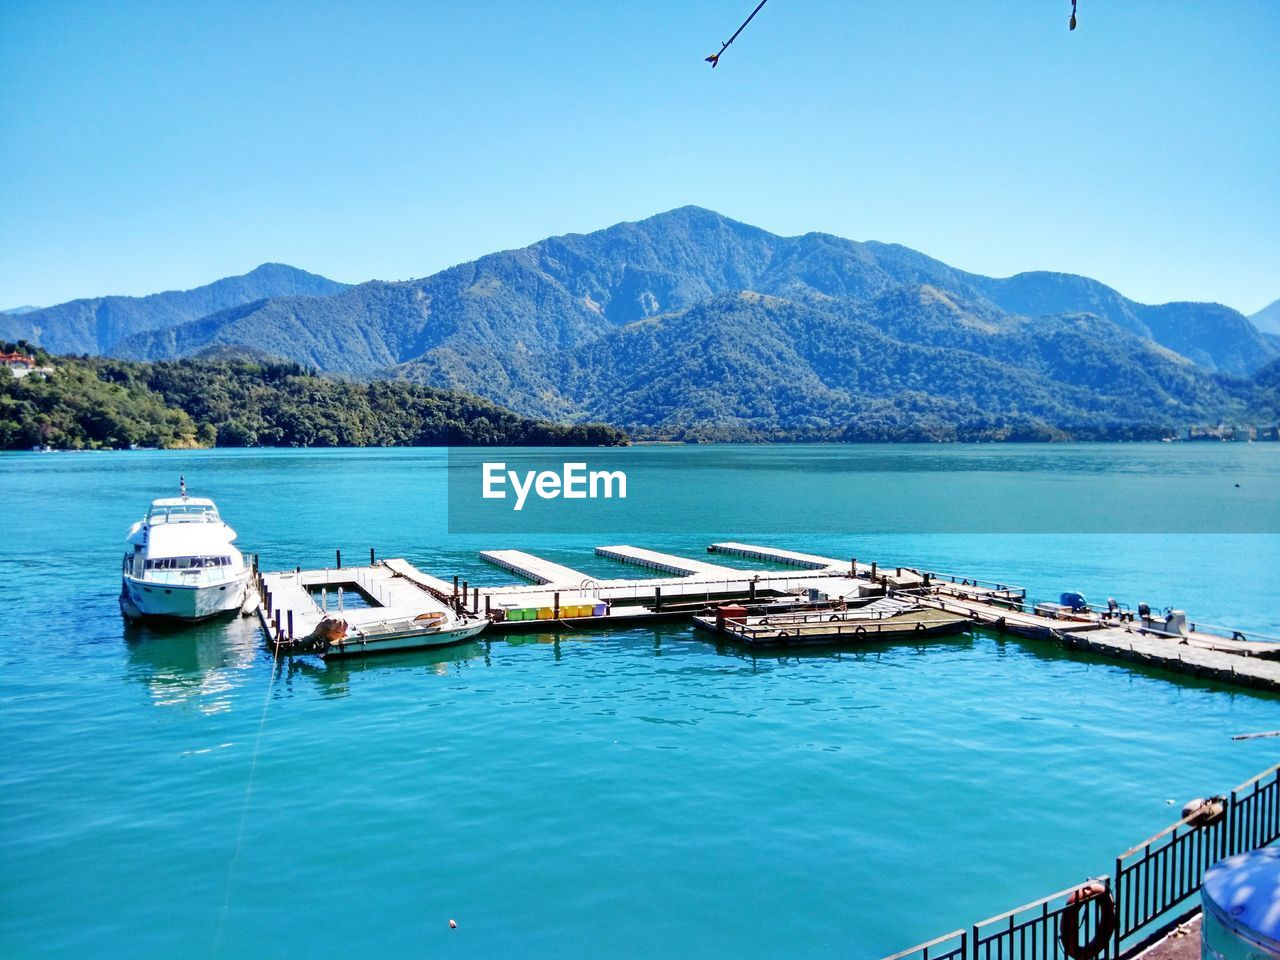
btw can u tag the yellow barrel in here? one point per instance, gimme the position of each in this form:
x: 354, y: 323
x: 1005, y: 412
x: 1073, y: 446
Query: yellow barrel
x: 544, y: 613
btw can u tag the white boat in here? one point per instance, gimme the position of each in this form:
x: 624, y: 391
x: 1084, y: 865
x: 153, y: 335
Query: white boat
x: 181, y: 563
x: 339, y: 637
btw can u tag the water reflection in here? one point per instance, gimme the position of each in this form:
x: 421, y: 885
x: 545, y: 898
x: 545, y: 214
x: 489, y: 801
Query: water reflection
x: 765, y: 658
x: 334, y: 677
x: 198, y: 663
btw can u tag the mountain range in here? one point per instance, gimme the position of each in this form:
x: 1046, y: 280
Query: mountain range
x: 96, y: 325
x: 1267, y: 320
x: 693, y: 325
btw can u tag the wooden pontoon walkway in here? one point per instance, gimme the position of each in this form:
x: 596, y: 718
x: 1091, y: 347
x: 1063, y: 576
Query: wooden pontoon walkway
x: 1196, y: 654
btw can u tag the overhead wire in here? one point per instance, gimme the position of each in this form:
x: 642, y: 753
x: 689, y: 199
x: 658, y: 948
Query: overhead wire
x: 714, y: 59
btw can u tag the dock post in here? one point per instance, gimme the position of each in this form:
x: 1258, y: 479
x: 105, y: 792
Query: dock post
x: 466, y: 591
x: 475, y: 602
x: 373, y: 556
x: 266, y: 598
x: 657, y: 599
x: 555, y: 605
x: 486, y: 605
x: 853, y: 567
x: 290, y: 624
x: 455, y: 585
x: 338, y: 559
x: 751, y: 590
x: 339, y: 599
x: 276, y: 618
x: 324, y: 599
x: 873, y: 571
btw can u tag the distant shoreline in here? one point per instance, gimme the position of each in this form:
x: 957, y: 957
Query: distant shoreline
x: 653, y: 443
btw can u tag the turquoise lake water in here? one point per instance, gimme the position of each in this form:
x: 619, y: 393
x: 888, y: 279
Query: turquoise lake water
x: 634, y: 793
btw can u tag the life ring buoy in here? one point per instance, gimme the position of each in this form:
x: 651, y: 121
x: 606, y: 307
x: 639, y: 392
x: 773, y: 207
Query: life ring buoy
x: 920, y: 627
x: 859, y: 629
x: 1069, y: 926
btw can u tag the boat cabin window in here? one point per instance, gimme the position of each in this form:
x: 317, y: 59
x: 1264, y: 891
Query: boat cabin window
x: 188, y: 563
x: 184, y: 513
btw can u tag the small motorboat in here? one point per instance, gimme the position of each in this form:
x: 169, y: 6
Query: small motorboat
x: 354, y: 635
x: 181, y: 563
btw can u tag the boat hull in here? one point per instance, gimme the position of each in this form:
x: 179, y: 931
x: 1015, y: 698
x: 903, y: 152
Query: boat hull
x: 142, y: 600
x: 358, y: 647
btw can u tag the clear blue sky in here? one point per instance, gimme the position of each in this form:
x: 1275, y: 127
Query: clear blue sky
x: 148, y: 146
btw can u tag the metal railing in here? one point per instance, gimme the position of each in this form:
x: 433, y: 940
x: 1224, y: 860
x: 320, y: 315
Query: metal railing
x: 1032, y: 931
x: 949, y: 946
x: 1160, y: 873
x: 1151, y: 881
x: 1254, y: 812
x: 1231, y: 633
x: 973, y: 582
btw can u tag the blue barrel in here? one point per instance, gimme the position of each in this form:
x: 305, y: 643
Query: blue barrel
x: 1241, y: 900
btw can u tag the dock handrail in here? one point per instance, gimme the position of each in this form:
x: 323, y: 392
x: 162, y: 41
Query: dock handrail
x: 1034, y: 925
x: 969, y: 581
x: 1151, y: 883
x: 1228, y: 633
x: 928, y: 951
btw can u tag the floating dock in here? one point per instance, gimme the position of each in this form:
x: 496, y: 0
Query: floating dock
x: 665, y: 562
x: 386, y: 606
x: 392, y: 595
x: 693, y: 585
x: 791, y: 558
x: 534, y: 568
x: 1242, y: 663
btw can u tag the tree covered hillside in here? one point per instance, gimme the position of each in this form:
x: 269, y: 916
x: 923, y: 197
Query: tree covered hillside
x: 95, y: 403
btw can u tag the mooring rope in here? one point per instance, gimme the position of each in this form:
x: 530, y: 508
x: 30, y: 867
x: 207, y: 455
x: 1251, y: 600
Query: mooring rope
x: 248, y: 800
